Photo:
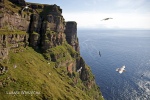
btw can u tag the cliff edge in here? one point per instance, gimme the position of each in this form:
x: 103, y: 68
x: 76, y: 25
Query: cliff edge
x: 39, y: 55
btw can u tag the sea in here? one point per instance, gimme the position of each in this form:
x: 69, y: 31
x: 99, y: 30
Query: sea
x: 106, y: 50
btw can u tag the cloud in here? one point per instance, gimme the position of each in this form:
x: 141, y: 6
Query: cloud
x: 129, y: 2
x: 132, y: 5
x: 88, y: 13
x: 120, y: 20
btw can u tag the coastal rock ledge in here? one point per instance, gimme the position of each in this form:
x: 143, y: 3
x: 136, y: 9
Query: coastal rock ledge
x: 39, y: 55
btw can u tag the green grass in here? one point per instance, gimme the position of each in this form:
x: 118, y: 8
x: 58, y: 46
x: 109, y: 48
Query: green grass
x: 61, y: 53
x: 33, y: 73
x: 6, y: 32
x: 9, y: 6
x: 35, y: 33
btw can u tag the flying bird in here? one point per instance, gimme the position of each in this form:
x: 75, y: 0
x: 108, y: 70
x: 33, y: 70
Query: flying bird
x: 106, y: 19
x: 121, y: 70
x: 26, y: 7
x: 79, y: 70
x: 142, y: 75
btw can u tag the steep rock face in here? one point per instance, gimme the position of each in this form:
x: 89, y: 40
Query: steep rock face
x: 79, y: 65
x: 13, y: 26
x: 3, y: 69
x: 19, y: 2
x: 3, y: 53
x: 13, y: 16
x: 35, y: 23
x: 14, y: 21
x: 85, y: 73
x: 34, y: 30
x: 11, y: 41
x: 71, y: 35
x: 1, y: 12
x: 1, y: 1
x: 50, y: 27
x: 54, y: 25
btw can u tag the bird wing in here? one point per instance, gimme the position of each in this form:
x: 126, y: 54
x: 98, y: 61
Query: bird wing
x: 123, y: 67
x: 106, y: 19
x: 23, y: 9
x: 117, y: 69
x: 120, y: 72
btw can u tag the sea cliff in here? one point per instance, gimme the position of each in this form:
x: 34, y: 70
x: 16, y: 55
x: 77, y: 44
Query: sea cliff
x: 39, y: 55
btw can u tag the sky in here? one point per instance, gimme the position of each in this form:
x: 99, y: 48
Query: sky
x: 126, y: 14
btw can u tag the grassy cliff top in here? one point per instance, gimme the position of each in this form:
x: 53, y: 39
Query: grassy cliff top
x: 13, y: 7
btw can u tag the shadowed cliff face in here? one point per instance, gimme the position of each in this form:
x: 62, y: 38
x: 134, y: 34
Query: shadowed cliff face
x: 43, y: 28
x: 15, y: 21
x: 11, y: 42
x: 49, y: 28
x: 71, y: 35
x: 19, y: 2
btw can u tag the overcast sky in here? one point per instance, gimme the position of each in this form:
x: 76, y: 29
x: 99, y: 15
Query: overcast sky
x: 126, y: 14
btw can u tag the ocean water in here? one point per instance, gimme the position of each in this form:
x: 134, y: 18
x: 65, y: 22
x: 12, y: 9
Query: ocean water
x: 118, y: 47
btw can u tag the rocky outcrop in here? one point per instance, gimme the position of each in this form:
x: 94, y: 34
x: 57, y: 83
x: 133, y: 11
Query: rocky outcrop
x: 50, y: 28
x: 3, y: 53
x: 1, y: 0
x: 34, y: 30
x: 71, y: 35
x: 3, y: 69
x: 1, y: 12
x: 54, y: 25
x: 11, y: 41
x: 85, y: 73
x: 13, y: 21
x: 12, y: 18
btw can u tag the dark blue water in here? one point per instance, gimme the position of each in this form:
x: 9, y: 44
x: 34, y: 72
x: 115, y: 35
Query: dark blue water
x: 118, y: 48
